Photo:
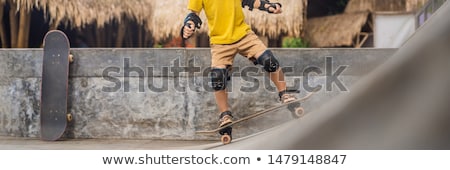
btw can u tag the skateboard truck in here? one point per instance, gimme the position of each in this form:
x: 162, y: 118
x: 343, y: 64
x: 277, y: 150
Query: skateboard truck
x: 70, y: 58
x: 226, y: 137
x: 295, y: 108
x: 69, y: 117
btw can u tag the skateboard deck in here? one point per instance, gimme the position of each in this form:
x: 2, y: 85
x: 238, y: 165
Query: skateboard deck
x: 295, y: 103
x: 54, y: 86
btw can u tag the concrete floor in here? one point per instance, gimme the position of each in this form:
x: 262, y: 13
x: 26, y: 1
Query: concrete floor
x: 14, y: 143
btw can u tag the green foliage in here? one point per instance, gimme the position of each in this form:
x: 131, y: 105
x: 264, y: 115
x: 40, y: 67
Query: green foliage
x: 291, y: 42
x: 158, y: 45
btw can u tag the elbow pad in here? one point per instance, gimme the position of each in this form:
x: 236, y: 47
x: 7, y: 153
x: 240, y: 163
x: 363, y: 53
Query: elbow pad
x: 248, y: 3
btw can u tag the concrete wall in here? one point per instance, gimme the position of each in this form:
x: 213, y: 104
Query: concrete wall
x: 164, y: 94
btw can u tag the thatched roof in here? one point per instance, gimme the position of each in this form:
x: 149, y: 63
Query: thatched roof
x: 83, y: 12
x: 162, y: 18
x: 384, y: 5
x: 359, y: 5
x: 291, y: 21
x: 336, y: 30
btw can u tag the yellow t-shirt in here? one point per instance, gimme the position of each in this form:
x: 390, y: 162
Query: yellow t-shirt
x: 225, y: 19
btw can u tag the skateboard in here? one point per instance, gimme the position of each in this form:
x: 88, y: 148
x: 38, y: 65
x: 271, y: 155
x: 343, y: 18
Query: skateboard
x: 293, y: 106
x: 54, y: 85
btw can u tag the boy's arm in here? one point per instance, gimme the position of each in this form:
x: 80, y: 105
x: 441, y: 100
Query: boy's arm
x: 191, y: 22
x: 194, y: 19
x: 263, y: 5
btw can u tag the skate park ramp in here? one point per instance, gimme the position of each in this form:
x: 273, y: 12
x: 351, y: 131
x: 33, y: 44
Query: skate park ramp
x: 403, y: 104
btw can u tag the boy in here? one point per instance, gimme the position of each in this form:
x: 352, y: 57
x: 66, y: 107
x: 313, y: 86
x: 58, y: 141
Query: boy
x: 229, y: 35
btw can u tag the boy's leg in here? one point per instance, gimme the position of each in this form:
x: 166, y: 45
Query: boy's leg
x: 267, y: 59
x: 221, y: 95
x: 221, y: 100
x: 222, y: 58
x: 277, y: 77
x: 253, y: 48
x: 219, y: 75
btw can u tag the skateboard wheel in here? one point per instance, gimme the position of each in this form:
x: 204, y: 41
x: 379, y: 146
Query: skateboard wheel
x: 70, y: 58
x: 69, y: 117
x: 299, y: 112
x: 226, y: 139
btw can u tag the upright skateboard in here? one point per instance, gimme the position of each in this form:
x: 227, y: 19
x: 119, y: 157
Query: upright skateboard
x: 54, y: 86
x: 293, y: 106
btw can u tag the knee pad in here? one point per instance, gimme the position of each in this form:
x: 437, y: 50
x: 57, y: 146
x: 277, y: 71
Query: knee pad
x: 268, y: 61
x: 219, y: 78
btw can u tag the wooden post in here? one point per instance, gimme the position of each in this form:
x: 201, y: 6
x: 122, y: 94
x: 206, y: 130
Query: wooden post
x: 141, y: 37
x: 102, y: 39
x: 121, y: 33
x: 129, y: 39
x: 147, y: 38
x: 27, y: 29
x: 3, y: 37
x: 13, y: 23
x: 109, y: 35
x: 24, y: 27
x: 360, y: 42
x: 98, y: 36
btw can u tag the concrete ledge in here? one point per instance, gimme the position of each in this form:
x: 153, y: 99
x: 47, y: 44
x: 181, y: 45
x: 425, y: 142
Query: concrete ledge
x: 163, y: 95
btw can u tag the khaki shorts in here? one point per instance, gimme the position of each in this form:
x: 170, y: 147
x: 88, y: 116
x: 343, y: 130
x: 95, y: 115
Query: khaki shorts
x: 248, y: 47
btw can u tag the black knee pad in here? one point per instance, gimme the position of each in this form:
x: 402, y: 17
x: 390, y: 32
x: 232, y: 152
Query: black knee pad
x: 219, y: 78
x: 268, y: 61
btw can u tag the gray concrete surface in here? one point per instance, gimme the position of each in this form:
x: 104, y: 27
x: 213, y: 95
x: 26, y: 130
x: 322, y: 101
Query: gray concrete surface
x: 15, y: 143
x: 135, y: 111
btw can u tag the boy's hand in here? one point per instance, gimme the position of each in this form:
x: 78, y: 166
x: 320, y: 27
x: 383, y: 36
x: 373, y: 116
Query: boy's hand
x: 276, y: 10
x: 188, y: 29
